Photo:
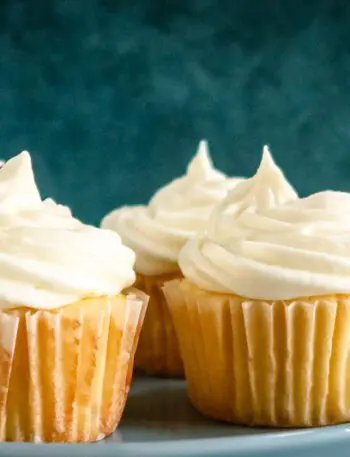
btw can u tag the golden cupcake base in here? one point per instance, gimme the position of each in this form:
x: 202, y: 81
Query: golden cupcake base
x: 253, y: 362
x: 65, y: 374
x: 158, y: 350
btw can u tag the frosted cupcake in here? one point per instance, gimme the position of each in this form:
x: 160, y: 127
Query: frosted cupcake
x: 263, y: 316
x: 263, y: 313
x: 67, y: 332
x: 157, y: 233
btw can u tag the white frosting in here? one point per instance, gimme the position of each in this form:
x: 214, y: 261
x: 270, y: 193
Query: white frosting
x: 47, y: 258
x: 263, y: 242
x: 176, y: 212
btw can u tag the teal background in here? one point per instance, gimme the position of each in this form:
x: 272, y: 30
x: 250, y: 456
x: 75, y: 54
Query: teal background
x: 111, y: 97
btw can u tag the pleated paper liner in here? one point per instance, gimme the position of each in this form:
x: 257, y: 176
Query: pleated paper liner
x: 158, y: 351
x: 252, y: 362
x: 65, y: 374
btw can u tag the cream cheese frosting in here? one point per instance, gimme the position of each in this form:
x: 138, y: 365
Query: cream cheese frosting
x: 158, y: 231
x: 263, y: 242
x: 48, y: 258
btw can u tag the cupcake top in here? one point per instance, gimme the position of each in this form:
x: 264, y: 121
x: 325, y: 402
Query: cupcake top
x: 47, y: 257
x: 263, y: 242
x: 158, y: 231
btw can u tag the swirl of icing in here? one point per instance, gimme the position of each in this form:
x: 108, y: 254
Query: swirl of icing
x: 48, y: 258
x: 158, y: 231
x: 263, y: 242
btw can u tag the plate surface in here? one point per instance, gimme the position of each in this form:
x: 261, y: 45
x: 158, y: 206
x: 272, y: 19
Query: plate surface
x: 159, y: 422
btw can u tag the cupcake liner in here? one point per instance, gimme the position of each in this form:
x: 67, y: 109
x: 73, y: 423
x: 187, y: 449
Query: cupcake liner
x: 65, y: 374
x: 254, y: 362
x: 158, y: 350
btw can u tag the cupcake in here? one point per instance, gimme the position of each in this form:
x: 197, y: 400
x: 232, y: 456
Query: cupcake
x: 156, y: 233
x: 67, y: 333
x: 263, y: 311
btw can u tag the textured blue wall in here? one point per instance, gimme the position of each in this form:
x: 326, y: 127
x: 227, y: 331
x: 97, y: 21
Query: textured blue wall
x: 111, y: 96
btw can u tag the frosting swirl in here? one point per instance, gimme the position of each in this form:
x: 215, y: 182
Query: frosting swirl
x: 48, y: 258
x: 263, y: 242
x: 176, y: 212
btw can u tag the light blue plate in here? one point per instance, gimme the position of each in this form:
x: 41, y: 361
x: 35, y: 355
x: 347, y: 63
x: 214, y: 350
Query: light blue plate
x: 159, y: 422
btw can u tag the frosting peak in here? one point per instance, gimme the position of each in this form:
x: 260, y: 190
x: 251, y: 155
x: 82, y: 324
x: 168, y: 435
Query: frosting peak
x: 175, y: 213
x: 270, y: 180
x: 267, y: 160
x: 201, y: 166
x: 48, y: 258
x: 266, y: 189
x: 17, y: 184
